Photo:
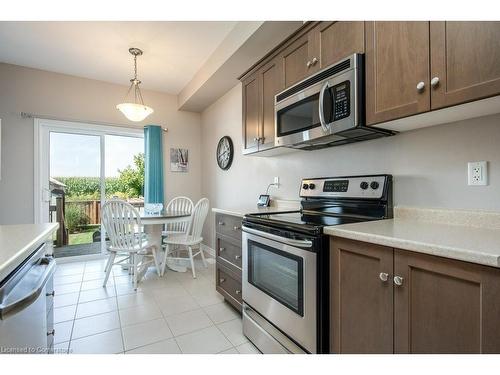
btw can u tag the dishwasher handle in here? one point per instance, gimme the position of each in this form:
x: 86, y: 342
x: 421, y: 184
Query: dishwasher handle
x: 27, y: 299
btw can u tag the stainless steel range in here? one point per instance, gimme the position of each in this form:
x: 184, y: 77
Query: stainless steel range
x: 286, y: 258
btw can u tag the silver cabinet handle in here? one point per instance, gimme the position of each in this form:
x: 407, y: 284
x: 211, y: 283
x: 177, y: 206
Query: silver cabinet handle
x: 51, y: 333
x: 314, y: 61
x: 383, y: 276
x: 237, y: 291
x: 420, y: 85
x: 308, y: 64
x: 221, y: 280
x: 236, y: 228
x: 221, y: 223
x: 52, y: 294
x: 237, y: 257
x: 221, y: 249
x: 398, y: 280
x: 435, y: 81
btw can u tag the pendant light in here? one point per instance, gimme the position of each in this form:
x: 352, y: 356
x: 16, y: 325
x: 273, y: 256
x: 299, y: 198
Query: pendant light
x: 136, y: 111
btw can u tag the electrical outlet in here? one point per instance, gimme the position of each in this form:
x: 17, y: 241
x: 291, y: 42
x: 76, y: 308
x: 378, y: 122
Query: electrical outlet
x: 277, y: 181
x: 477, y: 173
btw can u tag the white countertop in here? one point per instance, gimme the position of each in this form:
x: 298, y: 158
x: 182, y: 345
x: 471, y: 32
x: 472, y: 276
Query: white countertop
x: 467, y: 243
x: 18, y: 241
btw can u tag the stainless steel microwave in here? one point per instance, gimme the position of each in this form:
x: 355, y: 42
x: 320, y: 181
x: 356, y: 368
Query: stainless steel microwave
x: 326, y: 109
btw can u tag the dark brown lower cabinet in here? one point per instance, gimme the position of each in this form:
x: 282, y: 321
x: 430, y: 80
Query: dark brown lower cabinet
x: 425, y: 304
x: 445, y: 306
x: 228, y: 258
x: 361, y: 307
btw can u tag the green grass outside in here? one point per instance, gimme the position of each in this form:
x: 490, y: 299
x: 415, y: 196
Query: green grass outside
x: 82, y: 237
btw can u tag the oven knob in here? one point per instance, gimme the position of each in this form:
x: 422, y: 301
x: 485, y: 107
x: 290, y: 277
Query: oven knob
x: 305, y: 186
x: 374, y: 185
x: 312, y: 186
x: 363, y: 185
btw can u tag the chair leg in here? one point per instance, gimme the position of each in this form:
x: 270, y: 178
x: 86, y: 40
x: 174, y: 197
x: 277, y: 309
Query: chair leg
x: 136, y: 258
x: 190, y: 250
x: 155, y: 258
x: 203, y: 258
x: 109, y: 266
x: 164, y: 264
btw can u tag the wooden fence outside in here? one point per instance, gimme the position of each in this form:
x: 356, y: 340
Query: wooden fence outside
x: 93, y: 208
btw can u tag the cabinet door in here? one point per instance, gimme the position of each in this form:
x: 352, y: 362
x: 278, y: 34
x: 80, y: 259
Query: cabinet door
x: 296, y: 61
x: 271, y: 84
x: 337, y: 40
x: 251, y: 113
x: 397, y: 61
x: 465, y: 57
x: 361, y: 303
x: 445, y: 306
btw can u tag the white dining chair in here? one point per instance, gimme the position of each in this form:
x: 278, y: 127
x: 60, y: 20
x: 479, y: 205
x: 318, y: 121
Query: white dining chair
x: 191, y: 239
x: 179, y: 204
x: 122, y: 223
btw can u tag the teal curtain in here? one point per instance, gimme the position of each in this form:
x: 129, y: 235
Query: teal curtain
x: 153, y: 164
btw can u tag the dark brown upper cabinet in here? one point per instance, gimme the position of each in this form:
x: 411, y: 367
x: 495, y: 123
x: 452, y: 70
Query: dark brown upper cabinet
x: 397, y: 70
x: 251, y: 113
x: 333, y: 41
x: 296, y: 60
x: 386, y: 300
x: 258, y: 110
x: 465, y: 61
x: 271, y: 83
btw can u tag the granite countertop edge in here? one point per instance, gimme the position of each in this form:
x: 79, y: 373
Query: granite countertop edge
x: 468, y: 254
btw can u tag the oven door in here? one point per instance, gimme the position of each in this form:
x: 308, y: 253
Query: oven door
x: 279, y: 283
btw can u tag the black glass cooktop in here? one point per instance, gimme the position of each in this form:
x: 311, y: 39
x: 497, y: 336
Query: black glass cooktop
x: 303, y: 221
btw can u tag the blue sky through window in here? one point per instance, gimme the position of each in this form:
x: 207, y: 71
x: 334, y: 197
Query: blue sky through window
x: 78, y: 155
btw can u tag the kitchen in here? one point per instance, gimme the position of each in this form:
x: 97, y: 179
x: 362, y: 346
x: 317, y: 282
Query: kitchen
x: 350, y: 169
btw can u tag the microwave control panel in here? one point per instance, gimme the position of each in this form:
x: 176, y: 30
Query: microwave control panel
x: 341, y: 94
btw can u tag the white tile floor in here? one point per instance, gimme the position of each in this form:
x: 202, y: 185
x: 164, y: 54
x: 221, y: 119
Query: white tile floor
x: 170, y: 314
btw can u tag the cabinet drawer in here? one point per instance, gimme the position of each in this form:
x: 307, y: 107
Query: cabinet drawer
x: 229, y: 250
x: 228, y: 284
x: 228, y: 225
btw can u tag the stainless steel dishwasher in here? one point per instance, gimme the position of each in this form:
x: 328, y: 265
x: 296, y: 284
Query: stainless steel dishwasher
x: 26, y: 306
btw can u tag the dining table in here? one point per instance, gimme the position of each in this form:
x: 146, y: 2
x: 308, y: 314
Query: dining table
x: 154, y: 224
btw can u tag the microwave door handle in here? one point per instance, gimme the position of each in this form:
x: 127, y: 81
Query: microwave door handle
x: 321, y: 107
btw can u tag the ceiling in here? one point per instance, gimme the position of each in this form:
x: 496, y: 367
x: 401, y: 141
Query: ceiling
x: 173, y: 51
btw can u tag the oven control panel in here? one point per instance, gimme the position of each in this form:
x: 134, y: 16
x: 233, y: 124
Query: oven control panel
x: 371, y: 187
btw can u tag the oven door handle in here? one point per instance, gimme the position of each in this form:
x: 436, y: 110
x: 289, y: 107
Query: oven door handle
x: 322, y: 121
x: 288, y: 241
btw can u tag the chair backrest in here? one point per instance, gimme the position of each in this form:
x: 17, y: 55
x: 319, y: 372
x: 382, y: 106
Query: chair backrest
x: 122, y: 223
x: 198, y: 217
x: 183, y: 204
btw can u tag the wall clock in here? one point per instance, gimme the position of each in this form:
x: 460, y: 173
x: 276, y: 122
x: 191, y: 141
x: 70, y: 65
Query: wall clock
x: 225, y: 153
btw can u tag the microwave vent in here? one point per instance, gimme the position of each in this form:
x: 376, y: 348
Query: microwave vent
x: 346, y: 64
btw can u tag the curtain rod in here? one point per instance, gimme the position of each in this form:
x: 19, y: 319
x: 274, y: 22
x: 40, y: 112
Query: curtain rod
x: 27, y: 115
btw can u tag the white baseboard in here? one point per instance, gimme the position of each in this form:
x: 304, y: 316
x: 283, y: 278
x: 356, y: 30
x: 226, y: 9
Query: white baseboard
x: 208, y: 250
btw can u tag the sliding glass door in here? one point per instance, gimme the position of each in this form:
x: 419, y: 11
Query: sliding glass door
x: 80, y: 166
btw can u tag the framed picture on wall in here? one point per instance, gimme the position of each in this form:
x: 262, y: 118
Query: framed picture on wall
x: 178, y: 160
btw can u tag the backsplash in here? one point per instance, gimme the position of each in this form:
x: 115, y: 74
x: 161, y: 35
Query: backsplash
x: 429, y: 165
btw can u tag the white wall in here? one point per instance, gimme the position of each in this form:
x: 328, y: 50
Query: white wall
x: 78, y: 99
x: 429, y: 165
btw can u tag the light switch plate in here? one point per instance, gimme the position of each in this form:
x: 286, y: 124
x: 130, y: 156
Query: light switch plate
x: 477, y: 173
